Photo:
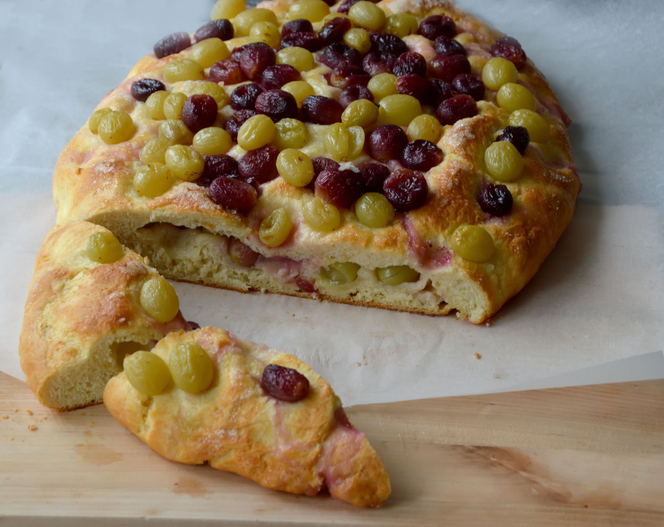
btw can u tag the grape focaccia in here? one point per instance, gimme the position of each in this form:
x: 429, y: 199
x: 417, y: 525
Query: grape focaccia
x: 243, y: 408
x: 419, y: 160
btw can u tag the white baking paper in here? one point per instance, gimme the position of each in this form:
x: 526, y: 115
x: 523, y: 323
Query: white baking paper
x: 597, y: 299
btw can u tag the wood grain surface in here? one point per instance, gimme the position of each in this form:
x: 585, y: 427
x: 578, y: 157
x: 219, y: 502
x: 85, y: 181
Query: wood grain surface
x: 572, y: 456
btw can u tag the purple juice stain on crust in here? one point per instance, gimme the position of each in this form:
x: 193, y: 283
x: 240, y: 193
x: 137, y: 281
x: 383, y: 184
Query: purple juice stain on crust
x: 427, y: 255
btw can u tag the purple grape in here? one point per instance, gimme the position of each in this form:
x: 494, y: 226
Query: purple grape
x: 244, y: 96
x: 260, y: 164
x: 510, y: 49
x: 421, y: 155
x: 387, y: 42
x: 255, y: 58
x: 470, y: 85
x: 324, y: 163
x: 241, y: 254
x: 299, y: 25
x: 233, y: 194
x: 342, y: 188
x: 236, y: 120
x: 406, y: 190
x: 321, y: 164
x: 354, y: 93
x: 321, y: 110
x: 143, y: 88
x: 346, y: 76
x: 386, y: 142
x: 440, y: 91
x: 305, y: 285
x: 277, y: 105
x: 416, y: 86
x: 374, y: 175
x: 220, y: 28
x: 436, y: 26
x: 302, y: 39
x: 334, y: 31
x: 517, y: 135
x: 495, y: 200
x: 458, y: 107
x: 410, y: 63
x: 284, y: 384
x: 226, y: 71
x: 278, y: 75
x: 218, y: 166
x: 199, y: 111
x: 447, y: 67
x: 379, y: 62
x: 171, y: 44
x: 448, y: 46
x: 338, y: 54
x: 236, y: 54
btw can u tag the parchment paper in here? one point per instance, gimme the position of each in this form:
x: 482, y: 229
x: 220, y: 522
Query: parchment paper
x: 598, y: 298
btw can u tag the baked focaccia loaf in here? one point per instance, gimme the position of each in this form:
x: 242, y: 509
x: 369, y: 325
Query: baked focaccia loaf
x: 247, y: 409
x: 342, y: 200
x: 83, y: 316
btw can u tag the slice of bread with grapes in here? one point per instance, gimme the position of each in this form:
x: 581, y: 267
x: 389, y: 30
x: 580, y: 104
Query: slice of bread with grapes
x: 99, y: 321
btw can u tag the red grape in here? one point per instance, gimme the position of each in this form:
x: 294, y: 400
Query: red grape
x: 276, y: 104
x: 171, y: 44
x: 459, y: 107
x: 244, y: 96
x: 386, y: 142
x: 199, y: 111
x: 517, y: 135
x: 447, y: 67
x: 233, y: 194
x: 510, y: 49
x: 470, y: 85
x: 143, y: 88
x: 259, y: 164
x: 284, y: 384
x: 354, y: 93
x: 437, y: 25
x: 342, y: 188
x: 406, y: 190
x: 421, y: 155
x: 255, y: 58
x: 278, y: 75
x: 220, y: 28
x: 226, y: 71
x: 410, y: 63
x: 495, y: 200
x: 321, y: 110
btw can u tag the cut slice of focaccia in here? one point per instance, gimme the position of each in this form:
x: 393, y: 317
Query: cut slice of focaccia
x: 84, y: 313
x: 206, y: 397
x: 401, y: 155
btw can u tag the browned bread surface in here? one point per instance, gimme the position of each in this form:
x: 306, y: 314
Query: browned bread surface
x: 298, y: 447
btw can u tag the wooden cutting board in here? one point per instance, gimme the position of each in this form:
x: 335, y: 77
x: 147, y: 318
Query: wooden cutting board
x: 574, y: 456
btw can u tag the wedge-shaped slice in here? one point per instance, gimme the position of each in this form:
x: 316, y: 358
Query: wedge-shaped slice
x: 240, y: 425
x: 83, y: 316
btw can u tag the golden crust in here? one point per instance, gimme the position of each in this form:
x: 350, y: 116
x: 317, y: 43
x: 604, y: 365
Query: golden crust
x: 234, y: 426
x: 93, y: 182
x: 77, y: 317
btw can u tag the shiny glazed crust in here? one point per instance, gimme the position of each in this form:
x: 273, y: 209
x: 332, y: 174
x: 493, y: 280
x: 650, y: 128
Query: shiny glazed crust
x: 93, y: 181
x: 77, y: 316
x: 235, y: 426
